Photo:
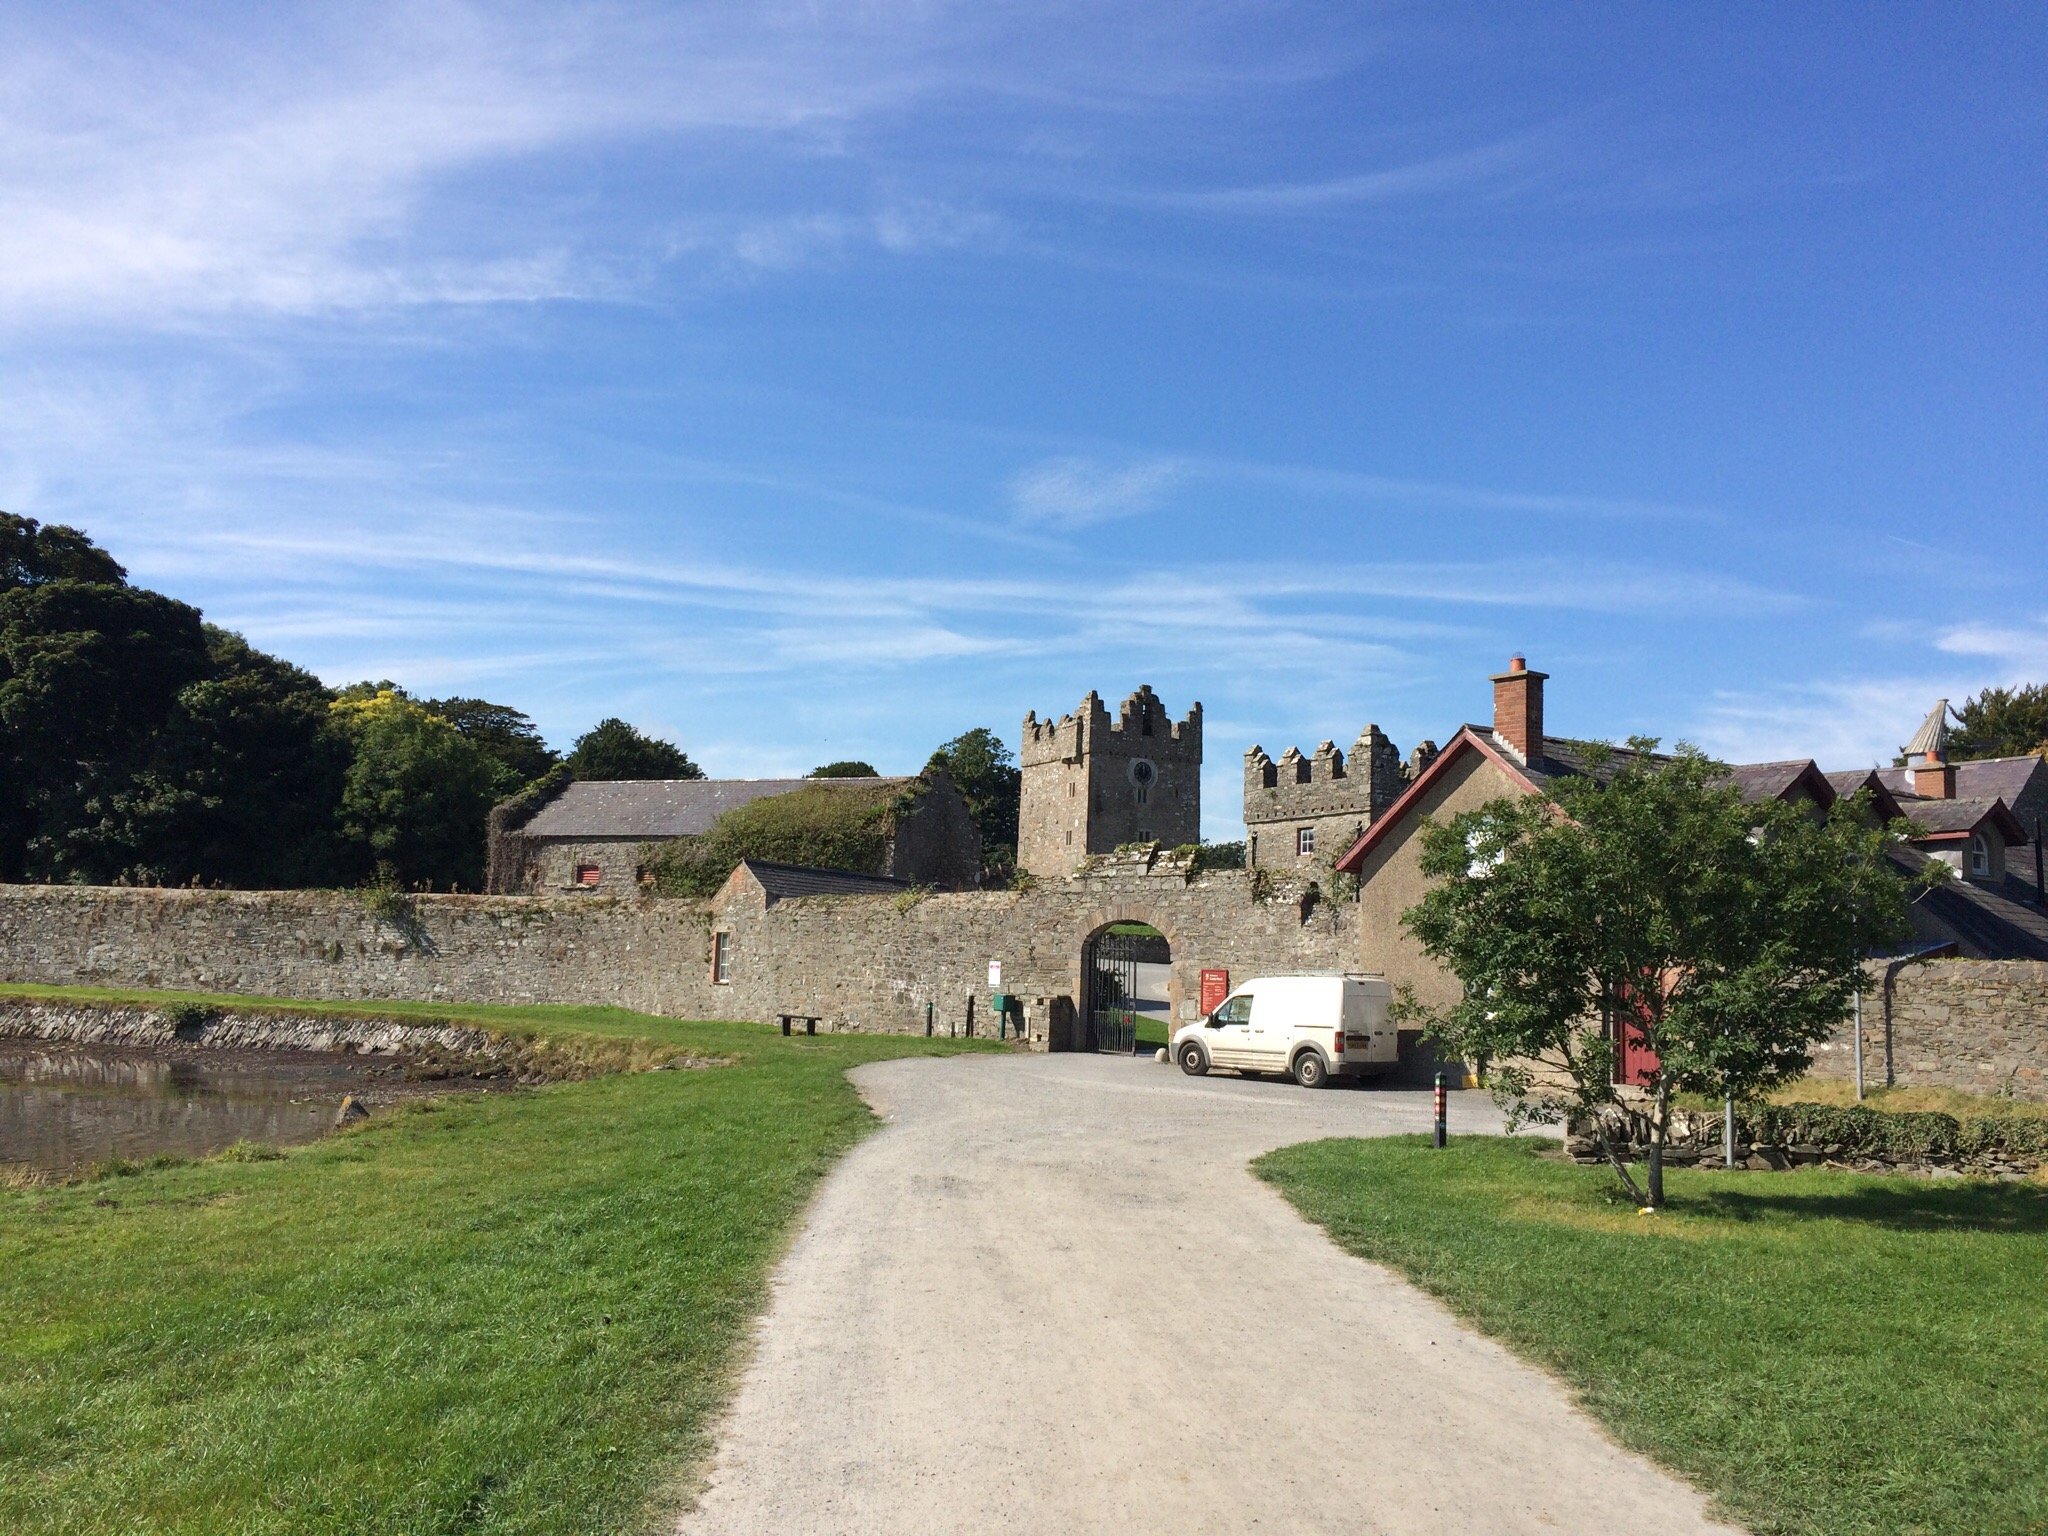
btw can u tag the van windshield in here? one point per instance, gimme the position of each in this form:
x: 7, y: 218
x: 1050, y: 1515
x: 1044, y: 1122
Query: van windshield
x: 1237, y: 1010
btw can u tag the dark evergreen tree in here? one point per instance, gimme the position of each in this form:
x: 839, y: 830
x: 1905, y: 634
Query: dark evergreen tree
x: 612, y: 749
x: 2001, y: 722
x: 981, y: 764
x: 846, y: 768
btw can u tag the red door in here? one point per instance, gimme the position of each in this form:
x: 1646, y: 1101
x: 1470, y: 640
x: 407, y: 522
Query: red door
x: 1635, y: 1063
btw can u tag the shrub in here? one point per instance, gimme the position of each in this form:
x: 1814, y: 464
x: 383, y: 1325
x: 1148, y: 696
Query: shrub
x: 187, y: 1018
x: 1910, y: 1136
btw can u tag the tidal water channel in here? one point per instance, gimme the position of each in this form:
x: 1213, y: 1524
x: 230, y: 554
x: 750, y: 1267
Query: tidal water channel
x: 65, y: 1107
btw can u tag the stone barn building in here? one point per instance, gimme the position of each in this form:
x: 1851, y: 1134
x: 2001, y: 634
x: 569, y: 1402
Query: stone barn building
x: 594, y: 835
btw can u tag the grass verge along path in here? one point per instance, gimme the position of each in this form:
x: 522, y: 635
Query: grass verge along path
x: 1826, y: 1352
x: 489, y: 1313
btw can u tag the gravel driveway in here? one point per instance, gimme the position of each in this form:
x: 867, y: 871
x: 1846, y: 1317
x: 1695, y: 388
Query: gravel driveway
x: 1049, y: 1297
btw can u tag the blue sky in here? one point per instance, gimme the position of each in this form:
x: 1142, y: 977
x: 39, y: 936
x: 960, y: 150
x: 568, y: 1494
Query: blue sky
x: 813, y: 381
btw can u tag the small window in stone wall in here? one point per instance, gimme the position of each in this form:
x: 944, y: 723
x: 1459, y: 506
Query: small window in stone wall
x: 1305, y: 840
x: 721, y: 958
x: 588, y: 875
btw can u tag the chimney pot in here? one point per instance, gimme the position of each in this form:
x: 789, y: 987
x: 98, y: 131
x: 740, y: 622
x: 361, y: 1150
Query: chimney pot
x: 1518, y: 663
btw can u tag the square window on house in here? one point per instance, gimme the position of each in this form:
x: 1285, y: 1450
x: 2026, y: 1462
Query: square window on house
x: 721, y: 958
x: 1304, y: 840
x: 588, y: 875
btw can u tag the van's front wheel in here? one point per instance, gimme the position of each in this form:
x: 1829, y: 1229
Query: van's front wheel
x: 1309, y: 1070
x: 1193, y: 1060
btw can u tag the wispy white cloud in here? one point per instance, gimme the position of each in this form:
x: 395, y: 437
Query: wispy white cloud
x: 1075, y: 492
x: 1430, y: 174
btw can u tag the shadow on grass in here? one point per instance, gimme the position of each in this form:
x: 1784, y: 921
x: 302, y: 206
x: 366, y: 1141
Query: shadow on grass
x: 1943, y: 1207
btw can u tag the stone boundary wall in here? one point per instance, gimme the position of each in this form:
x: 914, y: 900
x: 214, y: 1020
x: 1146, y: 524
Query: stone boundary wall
x: 857, y: 963
x: 1980, y: 1026
x: 586, y: 949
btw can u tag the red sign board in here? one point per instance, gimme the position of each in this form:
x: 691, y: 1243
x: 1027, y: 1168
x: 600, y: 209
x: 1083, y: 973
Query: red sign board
x: 1215, y: 988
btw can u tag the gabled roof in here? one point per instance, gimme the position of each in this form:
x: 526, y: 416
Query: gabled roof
x: 658, y: 808
x: 1783, y: 781
x: 1562, y: 758
x: 1941, y: 820
x: 782, y: 881
x: 1853, y: 781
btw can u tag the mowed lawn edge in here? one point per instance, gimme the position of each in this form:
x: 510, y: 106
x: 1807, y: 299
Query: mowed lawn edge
x: 508, y: 1312
x: 1824, y: 1353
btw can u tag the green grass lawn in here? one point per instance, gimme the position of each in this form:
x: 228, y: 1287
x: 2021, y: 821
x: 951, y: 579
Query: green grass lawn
x: 1826, y: 1352
x: 493, y: 1313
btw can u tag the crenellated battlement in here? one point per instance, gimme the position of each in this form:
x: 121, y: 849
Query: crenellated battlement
x: 1141, y: 728
x: 1093, y: 782
x: 1327, y: 792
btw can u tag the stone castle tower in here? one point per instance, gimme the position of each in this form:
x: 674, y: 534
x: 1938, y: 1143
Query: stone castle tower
x: 1302, y: 812
x: 1092, y: 785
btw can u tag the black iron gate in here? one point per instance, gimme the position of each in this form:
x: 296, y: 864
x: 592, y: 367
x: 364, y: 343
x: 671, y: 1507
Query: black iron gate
x: 1109, y: 970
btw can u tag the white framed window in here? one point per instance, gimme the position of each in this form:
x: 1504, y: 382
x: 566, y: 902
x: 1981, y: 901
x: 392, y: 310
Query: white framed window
x: 1304, y: 841
x: 1980, y: 855
x: 721, y: 959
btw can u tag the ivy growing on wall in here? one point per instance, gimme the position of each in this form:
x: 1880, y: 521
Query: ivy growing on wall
x: 843, y: 824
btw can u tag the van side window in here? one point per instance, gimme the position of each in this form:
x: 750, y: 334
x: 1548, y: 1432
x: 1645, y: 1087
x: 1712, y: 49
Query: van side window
x: 1238, y: 1010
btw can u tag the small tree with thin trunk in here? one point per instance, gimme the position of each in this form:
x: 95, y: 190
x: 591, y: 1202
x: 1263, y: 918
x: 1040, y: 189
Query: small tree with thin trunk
x: 1726, y: 936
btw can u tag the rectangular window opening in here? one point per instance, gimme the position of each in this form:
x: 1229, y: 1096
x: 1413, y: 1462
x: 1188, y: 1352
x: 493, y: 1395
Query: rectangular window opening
x: 721, y: 959
x: 588, y: 875
x: 1305, y: 840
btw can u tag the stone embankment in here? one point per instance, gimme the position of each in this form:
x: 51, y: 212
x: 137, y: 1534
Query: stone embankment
x: 187, y: 1024
x: 429, y: 1048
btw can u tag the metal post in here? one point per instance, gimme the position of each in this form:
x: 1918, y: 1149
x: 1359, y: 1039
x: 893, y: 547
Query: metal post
x: 927, y: 1018
x: 1859, y: 1045
x: 970, y: 1015
x: 1728, y: 1129
x: 1443, y: 1113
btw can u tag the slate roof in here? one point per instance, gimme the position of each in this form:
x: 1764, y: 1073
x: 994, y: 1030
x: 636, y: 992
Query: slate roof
x: 782, y: 881
x: 1990, y: 922
x: 1852, y: 781
x: 658, y: 808
x: 1953, y: 817
x: 1990, y: 778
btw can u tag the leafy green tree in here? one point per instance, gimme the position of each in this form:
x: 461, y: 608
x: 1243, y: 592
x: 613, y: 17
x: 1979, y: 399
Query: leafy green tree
x: 241, y: 784
x: 846, y: 768
x: 416, y: 794
x: 90, y: 673
x: 1726, y: 935
x: 510, y: 737
x: 2002, y: 722
x: 33, y: 553
x: 981, y: 764
x: 612, y: 749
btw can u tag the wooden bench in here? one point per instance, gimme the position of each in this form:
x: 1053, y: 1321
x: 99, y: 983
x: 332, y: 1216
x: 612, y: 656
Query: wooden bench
x: 810, y: 1021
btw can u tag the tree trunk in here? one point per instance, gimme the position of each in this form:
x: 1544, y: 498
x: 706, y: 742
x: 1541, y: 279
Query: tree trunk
x: 1660, y: 1121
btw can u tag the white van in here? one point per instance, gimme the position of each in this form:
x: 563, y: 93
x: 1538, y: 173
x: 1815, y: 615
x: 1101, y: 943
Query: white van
x: 1311, y: 1027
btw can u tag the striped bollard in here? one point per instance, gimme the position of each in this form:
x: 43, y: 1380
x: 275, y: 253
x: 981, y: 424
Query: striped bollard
x: 1443, y: 1127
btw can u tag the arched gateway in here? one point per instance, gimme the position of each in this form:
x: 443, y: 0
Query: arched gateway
x: 1126, y: 994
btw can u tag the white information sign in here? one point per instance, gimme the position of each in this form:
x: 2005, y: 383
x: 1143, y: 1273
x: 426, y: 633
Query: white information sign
x: 995, y: 975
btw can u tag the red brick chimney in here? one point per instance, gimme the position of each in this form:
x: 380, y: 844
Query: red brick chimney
x: 1518, y: 708
x: 1934, y: 777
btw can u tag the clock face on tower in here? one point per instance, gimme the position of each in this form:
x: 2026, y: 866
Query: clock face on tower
x: 1143, y: 773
